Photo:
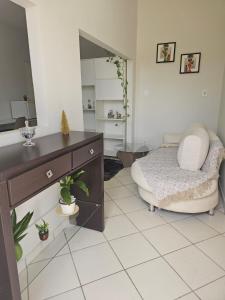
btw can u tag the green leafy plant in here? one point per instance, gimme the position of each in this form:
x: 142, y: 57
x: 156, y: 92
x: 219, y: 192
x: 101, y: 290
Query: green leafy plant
x: 66, y: 184
x: 42, y: 228
x: 19, y: 229
x: 121, y: 65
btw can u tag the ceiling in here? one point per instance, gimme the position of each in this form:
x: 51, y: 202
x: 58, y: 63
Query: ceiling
x: 12, y: 14
x: 91, y: 50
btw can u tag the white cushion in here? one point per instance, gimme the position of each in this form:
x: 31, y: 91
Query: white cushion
x: 193, y: 149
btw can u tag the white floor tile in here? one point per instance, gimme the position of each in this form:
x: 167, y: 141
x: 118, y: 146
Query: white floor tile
x: 57, y: 247
x: 194, y: 229
x: 119, y: 226
x: 106, y: 197
x: 85, y: 238
x: 144, y: 219
x: 96, y: 262
x: 71, y: 231
x: 130, y: 204
x: 113, y: 182
x: 71, y: 295
x: 114, y: 287
x: 119, y: 192
x: 133, y: 250
x: 215, y: 248
x: 36, y: 268
x: 59, y: 276
x: 133, y: 188
x: 213, y: 291
x: 24, y: 295
x: 126, y: 179
x: 156, y: 280
x: 170, y: 216
x: 23, y: 279
x: 166, y: 239
x: 189, y: 297
x: 194, y: 267
x: 217, y: 221
x: 111, y: 209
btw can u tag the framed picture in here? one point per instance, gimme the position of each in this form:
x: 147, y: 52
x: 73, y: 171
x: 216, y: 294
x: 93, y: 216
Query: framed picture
x: 165, y: 52
x: 190, y: 63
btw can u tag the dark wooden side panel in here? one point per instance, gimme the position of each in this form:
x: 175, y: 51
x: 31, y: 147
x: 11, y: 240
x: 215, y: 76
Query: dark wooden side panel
x: 9, y: 282
x: 91, y: 213
x: 34, y: 180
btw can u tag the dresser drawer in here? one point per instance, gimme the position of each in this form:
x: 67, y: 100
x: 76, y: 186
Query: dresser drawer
x: 32, y: 181
x: 86, y: 153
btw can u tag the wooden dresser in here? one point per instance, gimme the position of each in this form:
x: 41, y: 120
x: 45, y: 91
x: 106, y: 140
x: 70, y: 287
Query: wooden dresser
x: 25, y: 171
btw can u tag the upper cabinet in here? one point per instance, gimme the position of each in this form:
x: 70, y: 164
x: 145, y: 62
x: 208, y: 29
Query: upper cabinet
x: 108, y: 89
x: 104, y: 69
x: 88, y: 72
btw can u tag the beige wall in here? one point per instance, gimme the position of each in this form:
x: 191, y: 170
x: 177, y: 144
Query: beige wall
x: 221, y: 133
x: 111, y: 22
x: 165, y: 100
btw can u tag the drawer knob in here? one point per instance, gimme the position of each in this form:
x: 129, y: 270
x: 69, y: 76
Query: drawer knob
x: 91, y: 151
x: 49, y: 173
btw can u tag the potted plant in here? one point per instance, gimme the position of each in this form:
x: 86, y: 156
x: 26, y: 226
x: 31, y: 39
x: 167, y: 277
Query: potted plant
x: 68, y: 201
x: 43, y: 230
x: 18, y: 231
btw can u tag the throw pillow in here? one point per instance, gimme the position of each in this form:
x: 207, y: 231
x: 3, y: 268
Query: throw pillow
x: 193, y: 149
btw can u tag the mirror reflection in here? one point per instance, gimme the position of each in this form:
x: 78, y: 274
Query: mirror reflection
x: 17, y: 101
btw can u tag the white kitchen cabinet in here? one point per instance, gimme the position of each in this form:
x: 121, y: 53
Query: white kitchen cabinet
x: 104, y: 69
x: 108, y: 89
x: 87, y: 72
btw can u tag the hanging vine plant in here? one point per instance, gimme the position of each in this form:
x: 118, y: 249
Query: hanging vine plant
x: 121, y: 65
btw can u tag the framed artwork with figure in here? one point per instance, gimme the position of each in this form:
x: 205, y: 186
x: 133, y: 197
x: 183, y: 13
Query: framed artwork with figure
x: 190, y: 63
x: 166, y: 52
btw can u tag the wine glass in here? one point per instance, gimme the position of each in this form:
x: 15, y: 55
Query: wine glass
x: 28, y: 133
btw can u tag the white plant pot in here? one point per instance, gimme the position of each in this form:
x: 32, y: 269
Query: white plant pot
x: 68, y: 209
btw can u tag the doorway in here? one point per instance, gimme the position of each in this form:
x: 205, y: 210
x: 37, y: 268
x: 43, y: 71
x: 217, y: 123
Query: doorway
x: 104, y: 94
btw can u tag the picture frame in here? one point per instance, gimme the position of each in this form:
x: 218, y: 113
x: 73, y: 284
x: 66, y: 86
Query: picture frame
x: 166, y: 52
x: 190, y: 63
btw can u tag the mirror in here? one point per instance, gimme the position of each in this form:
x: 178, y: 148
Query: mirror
x: 17, y: 102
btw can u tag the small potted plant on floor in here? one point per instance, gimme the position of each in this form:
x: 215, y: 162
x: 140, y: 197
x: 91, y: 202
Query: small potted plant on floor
x: 68, y: 201
x: 18, y: 231
x: 43, y: 230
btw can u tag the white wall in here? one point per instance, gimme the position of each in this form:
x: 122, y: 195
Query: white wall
x: 165, y: 100
x: 111, y: 22
x: 13, y: 55
x: 53, y: 30
x: 221, y: 133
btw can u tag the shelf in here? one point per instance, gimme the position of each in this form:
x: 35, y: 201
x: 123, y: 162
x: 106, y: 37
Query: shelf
x: 85, y: 110
x: 113, y: 137
x: 111, y: 120
x: 121, y: 100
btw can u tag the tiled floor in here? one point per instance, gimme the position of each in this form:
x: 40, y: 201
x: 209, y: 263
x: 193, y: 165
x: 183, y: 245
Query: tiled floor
x: 140, y: 255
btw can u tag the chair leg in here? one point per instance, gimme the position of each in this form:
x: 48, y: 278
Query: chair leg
x: 151, y: 208
x: 211, y: 212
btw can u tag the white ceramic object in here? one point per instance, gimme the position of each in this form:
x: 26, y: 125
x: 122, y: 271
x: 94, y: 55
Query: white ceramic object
x: 68, y: 209
x: 59, y: 212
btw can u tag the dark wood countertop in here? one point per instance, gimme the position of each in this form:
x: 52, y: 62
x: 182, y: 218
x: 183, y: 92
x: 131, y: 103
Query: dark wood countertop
x: 16, y: 158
